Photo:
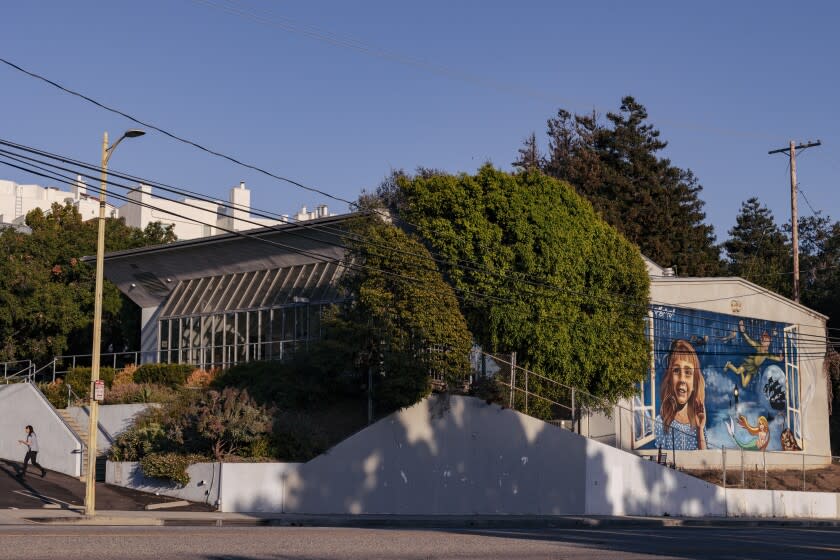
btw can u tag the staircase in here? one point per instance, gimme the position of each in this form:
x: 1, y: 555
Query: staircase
x: 82, y: 433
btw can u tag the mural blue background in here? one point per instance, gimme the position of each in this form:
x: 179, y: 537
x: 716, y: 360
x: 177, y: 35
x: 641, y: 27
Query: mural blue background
x: 717, y: 340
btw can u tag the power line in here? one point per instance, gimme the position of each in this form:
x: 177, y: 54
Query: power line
x: 485, y: 296
x: 180, y: 139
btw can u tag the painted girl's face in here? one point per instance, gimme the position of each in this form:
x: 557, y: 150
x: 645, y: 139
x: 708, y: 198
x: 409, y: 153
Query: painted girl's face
x: 682, y: 379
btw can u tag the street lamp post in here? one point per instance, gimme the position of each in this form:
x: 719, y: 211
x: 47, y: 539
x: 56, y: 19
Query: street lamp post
x: 93, y: 424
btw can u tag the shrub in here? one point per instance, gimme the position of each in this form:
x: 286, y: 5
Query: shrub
x: 56, y: 393
x: 169, y: 466
x: 131, y: 393
x: 229, y: 421
x: 201, y: 377
x: 143, y: 438
x: 172, y: 375
x: 295, y: 437
x: 124, y: 376
x: 79, y: 379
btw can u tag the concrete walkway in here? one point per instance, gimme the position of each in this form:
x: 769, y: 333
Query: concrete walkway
x: 197, y: 518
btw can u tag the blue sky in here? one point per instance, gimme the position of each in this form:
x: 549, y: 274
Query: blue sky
x: 335, y: 94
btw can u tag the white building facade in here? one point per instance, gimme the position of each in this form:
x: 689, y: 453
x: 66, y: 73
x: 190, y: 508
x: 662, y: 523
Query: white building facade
x: 190, y: 218
x: 17, y: 200
x: 193, y: 218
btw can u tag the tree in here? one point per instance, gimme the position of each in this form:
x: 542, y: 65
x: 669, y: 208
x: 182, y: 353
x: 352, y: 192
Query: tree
x: 529, y: 155
x: 538, y: 272
x: 46, y: 291
x: 757, y: 249
x: 655, y: 204
x: 407, y: 322
x: 819, y: 264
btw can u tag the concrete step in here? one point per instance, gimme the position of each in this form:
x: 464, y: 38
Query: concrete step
x: 82, y: 433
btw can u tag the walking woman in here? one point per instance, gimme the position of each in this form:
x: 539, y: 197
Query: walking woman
x: 31, y: 443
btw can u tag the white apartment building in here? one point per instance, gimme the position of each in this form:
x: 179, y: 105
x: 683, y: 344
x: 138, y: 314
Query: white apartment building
x: 194, y: 218
x: 191, y: 218
x: 17, y: 200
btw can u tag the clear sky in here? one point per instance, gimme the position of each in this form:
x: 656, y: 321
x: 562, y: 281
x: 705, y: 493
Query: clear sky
x: 335, y: 94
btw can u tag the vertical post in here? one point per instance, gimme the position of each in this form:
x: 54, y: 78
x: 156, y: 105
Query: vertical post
x: 803, y: 472
x: 526, y: 391
x: 620, y: 430
x: 573, y: 412
x: 743, y: 478
x: 90, y: 481
x: 764, y: 455
x: 723, y: 459
x: 794, y: 221
x: 512, y: 378
x: 370, y: 395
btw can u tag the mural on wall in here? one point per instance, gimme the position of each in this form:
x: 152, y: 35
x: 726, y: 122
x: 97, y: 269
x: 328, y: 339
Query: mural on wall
x: 719, y: 380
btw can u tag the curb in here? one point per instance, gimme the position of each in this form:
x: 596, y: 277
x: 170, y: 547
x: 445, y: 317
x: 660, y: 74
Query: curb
x: 444, y: 522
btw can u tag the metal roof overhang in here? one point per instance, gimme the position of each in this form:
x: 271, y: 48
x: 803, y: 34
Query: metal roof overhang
x: 148, y: 275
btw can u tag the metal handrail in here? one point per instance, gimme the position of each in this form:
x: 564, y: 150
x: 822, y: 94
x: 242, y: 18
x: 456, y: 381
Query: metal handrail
x: 16, y: 371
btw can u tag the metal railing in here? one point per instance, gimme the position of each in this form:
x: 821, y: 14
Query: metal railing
x: 17, y: 370
x: 205, y: 357
x: 616, y: 425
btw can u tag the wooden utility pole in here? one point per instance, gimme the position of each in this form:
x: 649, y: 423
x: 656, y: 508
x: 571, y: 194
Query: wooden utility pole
x: 794, y: 215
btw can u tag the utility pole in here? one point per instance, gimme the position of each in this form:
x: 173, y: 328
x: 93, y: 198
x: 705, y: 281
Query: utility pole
x: 794, y: 216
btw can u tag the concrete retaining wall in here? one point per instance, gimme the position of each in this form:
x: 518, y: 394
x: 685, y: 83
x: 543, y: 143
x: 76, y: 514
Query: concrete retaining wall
x: 462, y: 456
x: 202, y: 487
x: 22, y: 404
x: 113, y: 420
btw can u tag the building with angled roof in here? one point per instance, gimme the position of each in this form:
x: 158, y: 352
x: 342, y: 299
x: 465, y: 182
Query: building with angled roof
x: 230, y: 298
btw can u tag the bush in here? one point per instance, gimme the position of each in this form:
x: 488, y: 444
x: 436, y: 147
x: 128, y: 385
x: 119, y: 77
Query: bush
x: 169, y: 466
x: 143, y: 438
x: 55, y: 392
x: 125, y: 376
x: 79, y: 379
x: 201, y: 378
x: 296, y: 438
x: 171, y: 375
x: 132, y: 393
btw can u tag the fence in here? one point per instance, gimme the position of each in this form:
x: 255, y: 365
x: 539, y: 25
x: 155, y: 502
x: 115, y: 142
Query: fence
x: 614, y: 424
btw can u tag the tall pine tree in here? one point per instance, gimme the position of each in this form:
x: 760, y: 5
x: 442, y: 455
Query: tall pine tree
x: 617, y: 166
x: 757, y: 249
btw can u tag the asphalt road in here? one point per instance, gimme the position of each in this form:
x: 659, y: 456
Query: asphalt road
x: 306, y: 543
x: 64, y: 491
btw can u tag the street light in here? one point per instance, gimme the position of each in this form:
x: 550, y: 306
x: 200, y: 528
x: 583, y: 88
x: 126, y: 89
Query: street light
x: 93, y: 425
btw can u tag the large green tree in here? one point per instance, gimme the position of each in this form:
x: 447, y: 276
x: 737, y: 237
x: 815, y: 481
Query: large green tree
x: 537, y: 271
x: 46, y: 291
x: 618, y: 167
x: 405, y: 318
x: 757, y: 248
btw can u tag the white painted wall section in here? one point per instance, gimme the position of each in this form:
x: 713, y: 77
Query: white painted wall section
x: 22, y: 404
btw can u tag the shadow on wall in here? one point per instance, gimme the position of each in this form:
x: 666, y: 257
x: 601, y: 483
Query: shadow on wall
x: 459, y: 456
x: 621, y: 483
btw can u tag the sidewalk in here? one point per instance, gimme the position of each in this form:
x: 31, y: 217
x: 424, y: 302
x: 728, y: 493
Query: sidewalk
x: 160, y: 518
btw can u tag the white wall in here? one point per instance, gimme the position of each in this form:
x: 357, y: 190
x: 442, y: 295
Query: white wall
x: 203, y: 485
x: 466, y: 457
x: 113, y: 420
x: 778, y: 503
x: 22, y: 404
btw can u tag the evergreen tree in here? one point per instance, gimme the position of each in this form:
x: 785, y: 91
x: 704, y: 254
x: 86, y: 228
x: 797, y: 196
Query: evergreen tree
x: 819, y: 264
x: 655, y: 204
x: 529, y: 155
x: 757, y: 249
